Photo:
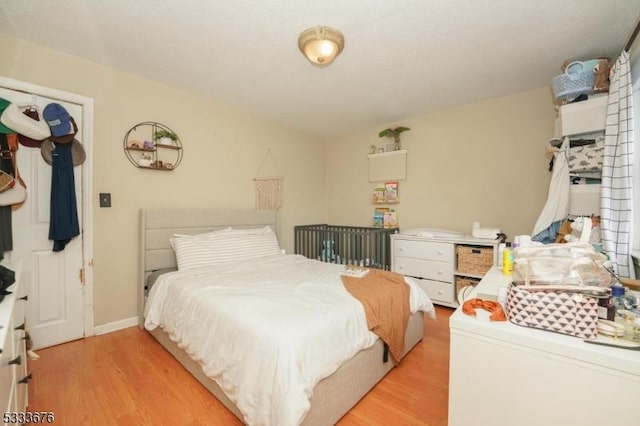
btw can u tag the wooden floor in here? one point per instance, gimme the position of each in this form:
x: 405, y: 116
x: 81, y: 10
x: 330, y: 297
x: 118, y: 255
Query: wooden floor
x: 127, y: 378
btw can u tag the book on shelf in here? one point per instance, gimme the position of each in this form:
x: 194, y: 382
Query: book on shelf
x: 391, y: 191
x: 379, y: 194
x: 390, y: 219
x: 384, y: 217
x: 378, y: 216
x: 386, y: 193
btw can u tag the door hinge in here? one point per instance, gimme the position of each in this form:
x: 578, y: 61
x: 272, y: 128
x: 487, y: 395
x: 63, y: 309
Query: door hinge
x: 81, y: 276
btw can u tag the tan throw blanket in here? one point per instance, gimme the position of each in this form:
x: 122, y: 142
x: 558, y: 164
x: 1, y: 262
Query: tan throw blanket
x: 385, y: 298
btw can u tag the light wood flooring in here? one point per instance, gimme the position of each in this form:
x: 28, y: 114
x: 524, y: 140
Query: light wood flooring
x: 127, y: 378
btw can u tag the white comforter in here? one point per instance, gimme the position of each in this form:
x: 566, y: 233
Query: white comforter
x: 267, y: 331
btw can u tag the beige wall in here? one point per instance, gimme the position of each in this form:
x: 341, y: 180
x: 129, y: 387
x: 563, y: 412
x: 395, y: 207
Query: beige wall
x: 482, y: 162
x: 223, y: 149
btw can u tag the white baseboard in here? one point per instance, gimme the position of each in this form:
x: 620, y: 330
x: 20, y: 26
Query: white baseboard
x: 114, y: 326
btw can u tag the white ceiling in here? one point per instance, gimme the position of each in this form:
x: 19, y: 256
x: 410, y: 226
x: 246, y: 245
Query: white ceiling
x: 402, y: 58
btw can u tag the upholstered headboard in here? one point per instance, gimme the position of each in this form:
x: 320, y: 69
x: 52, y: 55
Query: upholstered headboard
x: 157, y: 226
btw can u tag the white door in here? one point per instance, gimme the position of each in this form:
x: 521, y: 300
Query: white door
x: 54, y: 280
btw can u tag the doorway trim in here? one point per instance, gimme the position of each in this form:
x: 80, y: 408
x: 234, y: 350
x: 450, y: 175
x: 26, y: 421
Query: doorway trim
x: 87, y: 182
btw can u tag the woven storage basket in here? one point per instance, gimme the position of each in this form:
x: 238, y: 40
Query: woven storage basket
x: 564, y: 312
x: 474, y: 260
x: 577, y: 79
x: 462, y: 282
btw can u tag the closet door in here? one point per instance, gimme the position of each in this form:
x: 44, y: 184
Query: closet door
x: 53, y: 280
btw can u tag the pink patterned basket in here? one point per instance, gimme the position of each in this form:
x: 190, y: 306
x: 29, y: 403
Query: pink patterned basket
x: 564, y: 312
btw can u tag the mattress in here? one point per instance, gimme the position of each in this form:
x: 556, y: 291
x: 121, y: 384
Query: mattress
x: 265, y: 331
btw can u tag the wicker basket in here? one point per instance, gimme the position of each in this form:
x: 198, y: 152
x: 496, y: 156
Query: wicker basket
x: 474, y: 260
x: 577, y: 79
x: 462, y: 282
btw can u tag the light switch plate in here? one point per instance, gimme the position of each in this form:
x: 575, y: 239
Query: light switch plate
x: 105, y: 199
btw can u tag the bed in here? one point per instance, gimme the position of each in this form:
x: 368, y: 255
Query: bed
x: 332, y: 393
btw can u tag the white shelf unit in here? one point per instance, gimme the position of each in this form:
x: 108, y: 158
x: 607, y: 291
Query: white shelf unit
x: 584, y: 119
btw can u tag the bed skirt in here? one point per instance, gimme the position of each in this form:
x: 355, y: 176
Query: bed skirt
x: 333, y: 396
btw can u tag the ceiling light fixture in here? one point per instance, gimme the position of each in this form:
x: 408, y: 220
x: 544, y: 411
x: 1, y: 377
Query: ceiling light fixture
x: 321, y: 45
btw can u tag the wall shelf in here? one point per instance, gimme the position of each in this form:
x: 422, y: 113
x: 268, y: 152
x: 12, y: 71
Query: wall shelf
x: 160, y: 156
x: 386, y: 166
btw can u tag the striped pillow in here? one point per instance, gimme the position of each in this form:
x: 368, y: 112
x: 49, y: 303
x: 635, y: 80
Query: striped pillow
x: 196, y: 251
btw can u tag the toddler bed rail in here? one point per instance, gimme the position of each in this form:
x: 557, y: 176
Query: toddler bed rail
x: 362, y: 246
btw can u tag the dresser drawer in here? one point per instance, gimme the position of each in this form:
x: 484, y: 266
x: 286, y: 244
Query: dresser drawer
x: 439, y: 271
x: 427, y: 250
x: 6, y: 371
x: 438, y: 292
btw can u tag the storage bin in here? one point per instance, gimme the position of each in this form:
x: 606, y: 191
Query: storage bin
x: 462, y: 282
x: 564, y: 312
x: 576, y: 80
x: 474, y: 260
x: 584, y: 117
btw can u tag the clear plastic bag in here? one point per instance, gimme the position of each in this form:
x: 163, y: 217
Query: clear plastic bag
x: 574, y: 264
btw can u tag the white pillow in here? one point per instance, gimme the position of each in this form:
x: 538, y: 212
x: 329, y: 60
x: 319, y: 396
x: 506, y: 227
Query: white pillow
x: 196, y: 251
x: 204, y: 234
x: 229, y: 230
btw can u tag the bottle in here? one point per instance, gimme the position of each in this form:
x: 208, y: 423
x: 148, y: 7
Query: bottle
x: 516, y: 242
x: 501, y: 248
x: 507, y: 261
x: 606, y: 310
x: 502, y: 297
x: 617, y: 296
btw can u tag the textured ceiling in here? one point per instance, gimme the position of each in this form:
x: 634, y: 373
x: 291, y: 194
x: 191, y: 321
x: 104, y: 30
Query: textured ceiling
x: 401, y: 58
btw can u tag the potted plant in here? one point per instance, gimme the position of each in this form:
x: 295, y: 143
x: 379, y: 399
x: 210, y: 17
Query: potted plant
x: 394, y: 133
x: 165, y: 137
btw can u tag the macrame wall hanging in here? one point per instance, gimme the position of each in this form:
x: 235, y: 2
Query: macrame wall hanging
x: 268, y: 188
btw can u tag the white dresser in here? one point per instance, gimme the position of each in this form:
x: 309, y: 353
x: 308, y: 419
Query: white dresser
x: 13, y: 359
x: 432, y: 262
x: 503, y: 374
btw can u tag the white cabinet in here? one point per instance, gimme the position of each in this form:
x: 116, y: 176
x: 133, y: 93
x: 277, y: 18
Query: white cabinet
x: 503, y: 374
x: 580, y: 118
x: 432, y: 263
x: 586, y: 120
x: 14, y: 377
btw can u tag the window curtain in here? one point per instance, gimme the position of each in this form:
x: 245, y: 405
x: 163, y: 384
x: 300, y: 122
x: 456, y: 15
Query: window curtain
x: 616, y: 194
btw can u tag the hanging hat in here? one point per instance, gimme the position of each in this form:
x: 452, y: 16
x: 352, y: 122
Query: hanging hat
x: 62, y: 125
x: 31, y: 130
x: 3, y: 105
x: 77, y: 152
x: 67, y: 137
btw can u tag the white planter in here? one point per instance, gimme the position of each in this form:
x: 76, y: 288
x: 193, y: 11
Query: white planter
x: 166, y: 141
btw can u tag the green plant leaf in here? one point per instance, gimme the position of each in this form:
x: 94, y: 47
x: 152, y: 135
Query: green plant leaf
x: 386, y: 133
x: 164, y: 133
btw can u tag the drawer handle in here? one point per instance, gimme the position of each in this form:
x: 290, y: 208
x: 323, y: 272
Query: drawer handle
x: 20, y: 327
x: 440, y: 252
x: 25, y: 297
x: 25, y: 379
x: 16, y: 361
